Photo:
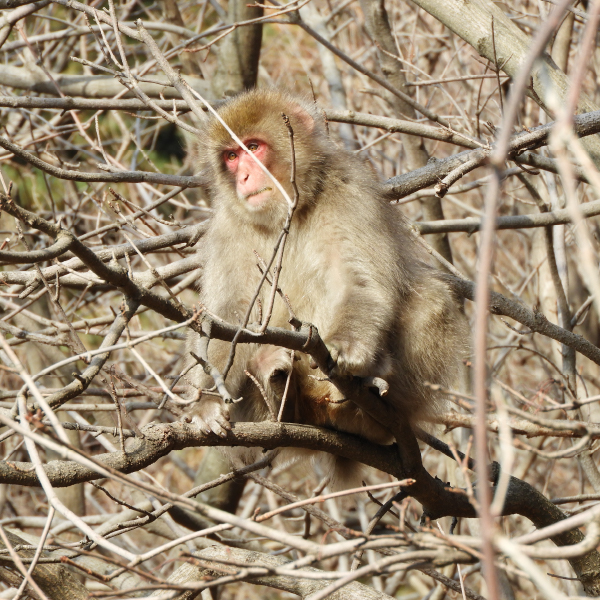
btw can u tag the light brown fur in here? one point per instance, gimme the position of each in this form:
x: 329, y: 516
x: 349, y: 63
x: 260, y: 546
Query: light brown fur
x: 350, y: 268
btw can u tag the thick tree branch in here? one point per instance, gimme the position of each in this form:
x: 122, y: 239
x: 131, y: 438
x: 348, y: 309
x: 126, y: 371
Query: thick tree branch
x: 518, y: 150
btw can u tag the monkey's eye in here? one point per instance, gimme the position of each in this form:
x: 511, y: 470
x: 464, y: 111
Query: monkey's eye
x: 231, y: 155
x: 252, y: 146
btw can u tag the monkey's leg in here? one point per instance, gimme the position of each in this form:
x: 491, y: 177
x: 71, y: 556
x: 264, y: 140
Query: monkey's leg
x: 226, y: 496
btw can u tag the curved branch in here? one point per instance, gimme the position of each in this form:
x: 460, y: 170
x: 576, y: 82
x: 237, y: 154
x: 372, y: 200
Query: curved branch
x: 62, y: 245
x: 438, y: 499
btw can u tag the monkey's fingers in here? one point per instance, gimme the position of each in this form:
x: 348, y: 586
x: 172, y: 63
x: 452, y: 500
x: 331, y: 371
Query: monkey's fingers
x: 217, y: 426
x: 211, y: 415
x: 220, y: 424
x: 200, y: 424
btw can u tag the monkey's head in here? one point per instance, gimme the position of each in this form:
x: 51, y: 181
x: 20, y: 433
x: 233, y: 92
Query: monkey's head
x: 236, y: 181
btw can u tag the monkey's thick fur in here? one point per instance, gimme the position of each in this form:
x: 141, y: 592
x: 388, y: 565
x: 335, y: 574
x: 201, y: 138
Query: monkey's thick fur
x: 350, y: 267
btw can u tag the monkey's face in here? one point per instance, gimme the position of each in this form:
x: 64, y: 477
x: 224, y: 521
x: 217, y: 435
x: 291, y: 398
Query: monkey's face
x: 254, y: 187
x: 254, y: 191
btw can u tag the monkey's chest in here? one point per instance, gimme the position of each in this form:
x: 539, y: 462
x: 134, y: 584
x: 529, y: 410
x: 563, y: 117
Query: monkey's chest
x: 314, y: 286
x: 311, y: 283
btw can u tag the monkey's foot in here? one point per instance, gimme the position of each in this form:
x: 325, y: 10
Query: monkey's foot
x: 211, y: 415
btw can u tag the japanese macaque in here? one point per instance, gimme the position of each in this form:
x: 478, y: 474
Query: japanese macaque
x: 350, y: 268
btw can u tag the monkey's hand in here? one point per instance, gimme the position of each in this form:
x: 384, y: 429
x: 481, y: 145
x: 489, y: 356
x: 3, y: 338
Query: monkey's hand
x: 211, y: 415
x: 350, y: 358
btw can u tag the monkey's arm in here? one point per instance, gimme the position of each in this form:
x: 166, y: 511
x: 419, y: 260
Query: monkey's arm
x: 363, y: 319
x: 359, y: 258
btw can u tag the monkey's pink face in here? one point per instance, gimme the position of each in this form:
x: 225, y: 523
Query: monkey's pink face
x: 252, y: 184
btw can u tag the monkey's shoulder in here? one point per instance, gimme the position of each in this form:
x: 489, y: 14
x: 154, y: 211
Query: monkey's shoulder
x: 350, y: 169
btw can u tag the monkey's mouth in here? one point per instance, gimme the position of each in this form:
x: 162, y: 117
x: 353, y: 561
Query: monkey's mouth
x: 252, y: 197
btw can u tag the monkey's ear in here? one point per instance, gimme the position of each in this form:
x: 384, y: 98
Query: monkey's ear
x: 307, y: 121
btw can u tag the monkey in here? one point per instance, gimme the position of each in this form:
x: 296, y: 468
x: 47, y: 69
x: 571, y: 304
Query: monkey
x: 350, y: 267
